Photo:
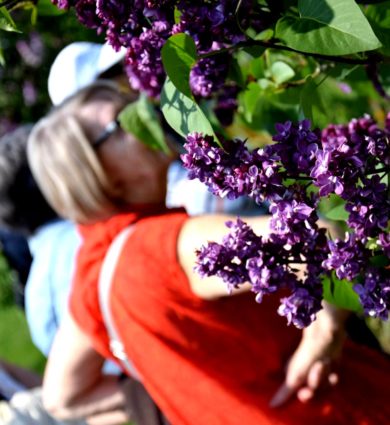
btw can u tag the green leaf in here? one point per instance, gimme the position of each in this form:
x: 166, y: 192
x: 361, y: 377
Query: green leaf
x: 250, y: 99
x: 256, y: 68
x: 340, y: 71
x: 6, y: 22
x: 379, y: 18
x: 182, y: 113
x: 179, y: 56
x: 379, y: 261
x: 328, y: 27
x: 266, y: 85
x: 235, y: 73
x: 340, y: 293
x: 265, y: 35
x: 47, y: 8
x: 311, y: 102
x: 2, y: 58
x: 260, y: 109
x: 281, y: 72
x: 149, y: 117
x: 140, y: 119
x: 338, y: 213
x: 34, y: 15
x: 177, y: 15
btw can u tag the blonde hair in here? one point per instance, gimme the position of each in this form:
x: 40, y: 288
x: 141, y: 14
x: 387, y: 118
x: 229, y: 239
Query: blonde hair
x: 64, y: 163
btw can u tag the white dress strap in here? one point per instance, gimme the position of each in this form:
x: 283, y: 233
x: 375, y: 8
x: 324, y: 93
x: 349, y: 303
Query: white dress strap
x: 106, y: 278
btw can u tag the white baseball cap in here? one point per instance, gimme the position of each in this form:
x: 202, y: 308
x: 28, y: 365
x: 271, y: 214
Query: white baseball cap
x: 78, y: 65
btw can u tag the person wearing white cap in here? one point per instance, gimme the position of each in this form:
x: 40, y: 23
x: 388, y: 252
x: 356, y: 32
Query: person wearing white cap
x: 78, y: 65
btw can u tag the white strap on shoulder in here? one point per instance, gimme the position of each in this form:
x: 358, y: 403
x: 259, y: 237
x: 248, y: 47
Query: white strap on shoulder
x: 106, y: 278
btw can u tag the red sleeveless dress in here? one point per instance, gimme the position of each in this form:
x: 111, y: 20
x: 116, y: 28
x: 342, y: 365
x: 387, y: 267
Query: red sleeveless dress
x: 210, y: 362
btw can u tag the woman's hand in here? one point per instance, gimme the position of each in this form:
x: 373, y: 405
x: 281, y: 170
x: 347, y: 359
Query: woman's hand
x: 312, y: 365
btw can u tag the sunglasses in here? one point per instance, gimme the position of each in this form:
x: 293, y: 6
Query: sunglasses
x: 108, y: 131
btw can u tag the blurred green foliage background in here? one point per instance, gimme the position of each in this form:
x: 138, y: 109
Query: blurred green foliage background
x: 15, y: 342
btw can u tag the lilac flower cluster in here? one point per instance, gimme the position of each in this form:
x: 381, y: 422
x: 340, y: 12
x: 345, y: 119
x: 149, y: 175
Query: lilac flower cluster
x: 296, y: 146
x: 269, y: 264
x: 143, y: 26
x: 350, y: 161
x: 374, y: 292
x: 232, y: 171
x: 348, y: 153
x: 346, y: 257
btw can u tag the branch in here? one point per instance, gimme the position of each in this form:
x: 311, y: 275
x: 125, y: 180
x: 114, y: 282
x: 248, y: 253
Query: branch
x: 373, y: 58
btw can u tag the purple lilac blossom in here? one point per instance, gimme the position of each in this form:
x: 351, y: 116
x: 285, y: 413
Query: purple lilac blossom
x: 292, y: 220
x: 30, y: 94
x: 300, y: 308
x: 374, y: 293
x: 295, y: 237
x: 137, y: 25
x: 209, y: 22
x: 228, y: 259
x: 268, y: 265
x: 143, y: 61
x: 384, y: 243
x: 345, y: 88
x: 348, y: 152
x: 86, y: 14
x: 346, y: 257
x: 209, y: 74
x: 31, y: 50
x: 296, y: 146
x: 232, y: 171
x: 64, y: 4
x: 337, y: 167
x: 369, y: 208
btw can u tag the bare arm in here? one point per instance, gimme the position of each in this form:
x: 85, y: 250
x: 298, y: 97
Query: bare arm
x: 74, y: 386
x: 197, y: 231
x: 311, y: 365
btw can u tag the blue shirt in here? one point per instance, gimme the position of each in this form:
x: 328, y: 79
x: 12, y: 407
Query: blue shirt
x: 196, y: 199
x: 54, y: 248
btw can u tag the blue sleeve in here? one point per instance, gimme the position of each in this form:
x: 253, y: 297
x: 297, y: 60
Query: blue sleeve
x: 40, y: 313
x: 49, y: 283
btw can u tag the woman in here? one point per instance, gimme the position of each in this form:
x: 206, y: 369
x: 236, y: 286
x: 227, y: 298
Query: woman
x: 205, y: 358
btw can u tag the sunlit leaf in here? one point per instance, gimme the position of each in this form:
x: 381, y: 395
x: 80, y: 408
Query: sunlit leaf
x: 6, y: 21
x: 329, y: 27
x: 251, y: 98
x: 179, y: 56
x: 338, y: 213
x: 140, y: 119
x: 340, y: 293
x: 2, y: 58
x: 182, y: 113
x: 311, y: 102
x: 281, y: 72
